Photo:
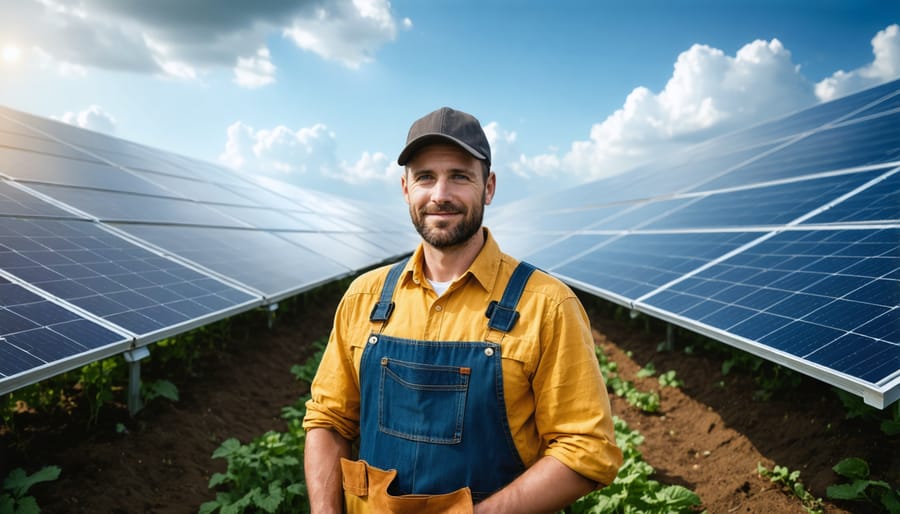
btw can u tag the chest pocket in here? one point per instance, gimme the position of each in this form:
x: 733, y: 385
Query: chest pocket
x: 422, y: 402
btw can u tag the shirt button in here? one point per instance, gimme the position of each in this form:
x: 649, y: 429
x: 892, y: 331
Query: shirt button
x: 373, y: 340
x: 438, y: 308
x: 489, y: 352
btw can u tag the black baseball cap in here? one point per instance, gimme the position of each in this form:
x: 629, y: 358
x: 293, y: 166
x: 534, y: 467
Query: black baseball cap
x: 447, y: 125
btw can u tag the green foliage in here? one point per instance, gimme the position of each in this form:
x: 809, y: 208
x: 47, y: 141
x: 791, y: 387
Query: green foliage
x: 770, y: 378
x: 265, y: 475
x: 14, y: 499
x: 633, y: 492
x: 646, y: 401
x: 647, y: 371
x: 96, y: 382
x: 306, y: 371
x: 668, y: 379
x: 789, y: 481
x: 861, y: 488
x: 888, y: 420
x: 159, y: 389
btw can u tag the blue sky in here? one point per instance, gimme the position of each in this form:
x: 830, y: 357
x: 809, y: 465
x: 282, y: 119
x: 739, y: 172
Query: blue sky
x: 321, y: 93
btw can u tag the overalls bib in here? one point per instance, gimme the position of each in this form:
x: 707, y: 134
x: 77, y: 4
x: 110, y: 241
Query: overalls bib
x: 433, y: 411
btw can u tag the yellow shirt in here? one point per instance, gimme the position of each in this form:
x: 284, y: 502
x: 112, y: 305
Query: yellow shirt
x: 555, y: 397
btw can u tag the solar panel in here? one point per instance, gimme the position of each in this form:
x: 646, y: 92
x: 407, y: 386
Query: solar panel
x: 262, y: 261
x: 39, y: 337
x: 110, y: 277
x: 106, y: 244
x: 782, y: 239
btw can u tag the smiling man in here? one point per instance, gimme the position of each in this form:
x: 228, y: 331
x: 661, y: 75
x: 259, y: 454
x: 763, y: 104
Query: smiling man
x: 467, y: 378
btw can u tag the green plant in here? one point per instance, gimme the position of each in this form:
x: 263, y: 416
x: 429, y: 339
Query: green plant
x: 263, y: 475
x: 888, y: 420
x: 645, y: 401
x: 159, y: 389
x: 96, y: 383
x: 306, y: 371
x: 790, y: 482
x: 668, y: 379
x: 647, y: 371
x: 861, y: 488
x: 633, y: 492
x: 13, y: 499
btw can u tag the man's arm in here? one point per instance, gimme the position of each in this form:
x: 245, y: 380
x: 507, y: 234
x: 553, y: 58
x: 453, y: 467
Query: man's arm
x: 322, y: 465
x: 545, y: 487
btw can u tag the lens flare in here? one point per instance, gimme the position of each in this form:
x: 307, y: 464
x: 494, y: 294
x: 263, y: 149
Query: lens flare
x: 11, y: 54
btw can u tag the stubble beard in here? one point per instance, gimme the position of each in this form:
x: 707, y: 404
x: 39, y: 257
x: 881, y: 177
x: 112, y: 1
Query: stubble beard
x: 444, y: 236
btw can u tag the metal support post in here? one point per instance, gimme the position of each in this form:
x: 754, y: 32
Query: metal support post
x: 272, y: 308
x: 133, y: 358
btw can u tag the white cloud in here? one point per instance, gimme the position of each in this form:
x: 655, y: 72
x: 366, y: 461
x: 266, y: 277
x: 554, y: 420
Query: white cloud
x: 305, y: 157
x: 709, y: 92
x: 348, y: 32
x: 186, y: 39
x: 885, y: 66
x: 93, y: 118
x: 255, y: 72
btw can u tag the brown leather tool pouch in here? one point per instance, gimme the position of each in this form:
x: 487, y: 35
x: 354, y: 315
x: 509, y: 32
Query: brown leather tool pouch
x: 365, y: 491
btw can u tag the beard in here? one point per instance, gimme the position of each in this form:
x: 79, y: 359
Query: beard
x: 444, y: 234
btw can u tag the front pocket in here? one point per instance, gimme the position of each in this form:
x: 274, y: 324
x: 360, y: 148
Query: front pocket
x: 422, y: 402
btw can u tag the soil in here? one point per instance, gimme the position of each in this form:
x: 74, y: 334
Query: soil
x: 709, y: 435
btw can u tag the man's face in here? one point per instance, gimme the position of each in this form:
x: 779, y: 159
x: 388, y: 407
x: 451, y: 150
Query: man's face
x: 446, y: 192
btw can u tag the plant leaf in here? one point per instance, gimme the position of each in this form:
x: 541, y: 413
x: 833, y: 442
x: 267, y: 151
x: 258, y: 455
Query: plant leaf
x: 852, y: 467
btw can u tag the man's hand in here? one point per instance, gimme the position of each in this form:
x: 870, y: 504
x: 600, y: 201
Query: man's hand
x: 547, y: 486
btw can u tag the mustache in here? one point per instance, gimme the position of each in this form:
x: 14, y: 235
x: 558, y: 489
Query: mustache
x: 444, y: 208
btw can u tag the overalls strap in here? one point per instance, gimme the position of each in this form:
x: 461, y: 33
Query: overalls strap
x: 503, y: 316
x: 385, y: 306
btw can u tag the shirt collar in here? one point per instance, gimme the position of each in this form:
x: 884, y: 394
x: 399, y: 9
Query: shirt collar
x: 483, y: 268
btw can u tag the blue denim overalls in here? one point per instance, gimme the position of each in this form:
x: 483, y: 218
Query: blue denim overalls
x: 434, y: 410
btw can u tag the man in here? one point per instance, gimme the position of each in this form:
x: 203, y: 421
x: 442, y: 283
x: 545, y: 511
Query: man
x: 470, y: 383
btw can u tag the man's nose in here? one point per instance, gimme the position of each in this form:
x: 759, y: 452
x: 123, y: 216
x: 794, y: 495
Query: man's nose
x: 441, y: 191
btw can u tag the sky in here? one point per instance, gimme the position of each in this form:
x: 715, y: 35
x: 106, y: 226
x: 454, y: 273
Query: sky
x: 321, y: 93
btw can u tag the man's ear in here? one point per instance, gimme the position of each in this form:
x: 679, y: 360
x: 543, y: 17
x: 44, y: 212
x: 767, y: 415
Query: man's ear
x: 489, y: 187
x: 403, y: 186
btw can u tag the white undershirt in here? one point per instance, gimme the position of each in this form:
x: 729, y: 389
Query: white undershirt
x: 439, y: 287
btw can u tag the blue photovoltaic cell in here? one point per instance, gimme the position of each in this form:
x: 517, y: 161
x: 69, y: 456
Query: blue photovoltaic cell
x: 564, y: 250
x: 108, y: 276
x: 37, y: 167
x: 877, y: 203
x: 863, y: 143
x: 260, y: 260
x: 15, y: 202
x: 800, y: 292
x: 771, y: 205
x: 345, y: 250
x: 636, y: 264
x: 35, y: 332
x: 112, y: 206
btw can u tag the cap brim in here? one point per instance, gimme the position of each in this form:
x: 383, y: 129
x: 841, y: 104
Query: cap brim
x: 427, y: 139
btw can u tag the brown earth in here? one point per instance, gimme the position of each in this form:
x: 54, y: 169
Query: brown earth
x: 709, y: 435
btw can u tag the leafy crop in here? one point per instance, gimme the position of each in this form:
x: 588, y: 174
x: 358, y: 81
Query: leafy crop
x: 633, y: 492
x: 861, y: 488
x: 887, y: 419
x: 647, y: 401
x: 14, y: 499
x: 789, y: 481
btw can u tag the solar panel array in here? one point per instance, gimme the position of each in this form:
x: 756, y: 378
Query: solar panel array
x: 107, y: 245
x: 782, y: 240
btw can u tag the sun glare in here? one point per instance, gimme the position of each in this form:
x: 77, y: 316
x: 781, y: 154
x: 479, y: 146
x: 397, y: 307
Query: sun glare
x: 11, y: 54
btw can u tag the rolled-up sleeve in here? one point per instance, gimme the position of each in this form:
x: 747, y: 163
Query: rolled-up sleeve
x: 572, y: 410
x: 334, y: 392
